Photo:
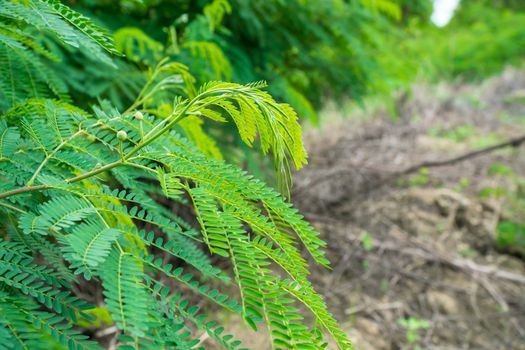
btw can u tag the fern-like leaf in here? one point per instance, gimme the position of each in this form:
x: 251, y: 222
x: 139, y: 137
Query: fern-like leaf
x: 88, y: 246
x: 58, y: 213
x: 9, y: 138
x: 124, y: 292
x: 85, y: 25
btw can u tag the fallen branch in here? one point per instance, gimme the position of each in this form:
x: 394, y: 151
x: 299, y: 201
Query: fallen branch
x: 429, y: 254
x: 369, y: 307
x: 327, y: 176
x: 514, y: 142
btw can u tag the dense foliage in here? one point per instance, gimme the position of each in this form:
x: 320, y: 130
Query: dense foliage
x: 304, y: 49
x: 86, y: 238
x: 325, y: 48
x: 486, y: 39
x: 482, y: 38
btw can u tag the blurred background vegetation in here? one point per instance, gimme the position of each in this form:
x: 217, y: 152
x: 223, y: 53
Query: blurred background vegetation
x: 309, y: 52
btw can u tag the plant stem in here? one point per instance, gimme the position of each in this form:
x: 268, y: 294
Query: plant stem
x: 8, y: 206
x: 50, y: 155
x: 158, y: 133
x: 122, y: 161
x: 95, y: 171
x: 23, y: 190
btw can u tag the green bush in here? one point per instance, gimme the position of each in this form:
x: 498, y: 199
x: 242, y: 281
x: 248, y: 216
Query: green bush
x: 83, y: 196
x: 306, y: 50
x: 481, y: 40
x: 511, y: 235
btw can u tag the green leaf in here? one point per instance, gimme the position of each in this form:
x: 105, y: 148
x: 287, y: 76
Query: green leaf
x: 88, y: 246
x: 124, y: 291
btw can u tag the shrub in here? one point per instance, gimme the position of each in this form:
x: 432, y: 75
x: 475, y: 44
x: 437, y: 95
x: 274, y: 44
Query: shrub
x: 82, y: 193
x: 306, y: 50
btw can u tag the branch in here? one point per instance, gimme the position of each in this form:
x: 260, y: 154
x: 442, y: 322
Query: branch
x: 26, y: 189
x: 23, y: 190
x: 514, y: 142
x: 324, y: 177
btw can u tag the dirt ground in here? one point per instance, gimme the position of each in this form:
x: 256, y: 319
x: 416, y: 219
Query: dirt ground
x: 415, y: 259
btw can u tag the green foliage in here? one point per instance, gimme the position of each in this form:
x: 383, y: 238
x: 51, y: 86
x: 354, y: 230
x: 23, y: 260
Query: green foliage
x: 510, y: 231
x: 482, y: 38
x: 494, y: 38
x: 367, y: 241
x: 324, y: 48
x: 511, y: 234
x: 83, y: 196
x: 459, y: 133
x: 500, y: 169
x: 413, y: 326
x: 419, y: 179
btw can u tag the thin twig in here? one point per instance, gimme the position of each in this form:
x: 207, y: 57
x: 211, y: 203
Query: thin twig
x: 205, y: 336
x: 11, y: 207
x: 367, y: 308
x: 106, y: 331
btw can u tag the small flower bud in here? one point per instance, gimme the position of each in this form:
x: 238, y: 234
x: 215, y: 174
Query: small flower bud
x: 139, y: 115
x: 122, y: 135
x: 91, y: 138
x: 98, y: 165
